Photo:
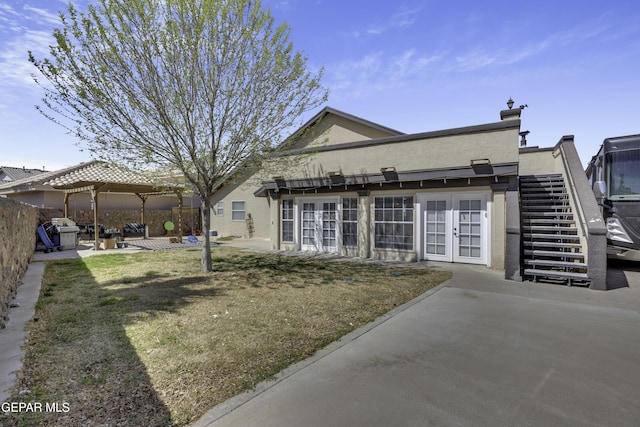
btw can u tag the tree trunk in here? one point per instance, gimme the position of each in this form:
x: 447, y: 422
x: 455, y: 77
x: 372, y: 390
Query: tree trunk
x: 206, y: 223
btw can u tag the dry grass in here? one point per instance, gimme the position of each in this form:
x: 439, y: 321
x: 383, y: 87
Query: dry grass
x: 146, y: 339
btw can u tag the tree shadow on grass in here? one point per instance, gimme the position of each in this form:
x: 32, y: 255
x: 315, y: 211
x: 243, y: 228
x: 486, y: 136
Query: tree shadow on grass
x: 79, y: 352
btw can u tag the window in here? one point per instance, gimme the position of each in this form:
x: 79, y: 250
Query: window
x: 393, y: 222
x: 350, y: 222
x: 220, y: 209
x: 287, y: 220
x: 237, y: 211
x: 623, y: 174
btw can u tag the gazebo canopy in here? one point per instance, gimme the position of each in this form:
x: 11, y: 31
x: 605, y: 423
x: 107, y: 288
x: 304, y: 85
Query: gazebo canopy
x: 98, y: 177
x: 105, y: 177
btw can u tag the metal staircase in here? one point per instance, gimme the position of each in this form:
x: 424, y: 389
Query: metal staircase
x: 551, y: 245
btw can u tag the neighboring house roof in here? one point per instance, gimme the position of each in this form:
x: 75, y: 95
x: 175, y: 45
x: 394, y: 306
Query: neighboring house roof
x: 101, y: 175
x: 9, y: 173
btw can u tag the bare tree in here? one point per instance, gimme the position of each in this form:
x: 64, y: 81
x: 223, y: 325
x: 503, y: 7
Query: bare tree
x: 202, y: 86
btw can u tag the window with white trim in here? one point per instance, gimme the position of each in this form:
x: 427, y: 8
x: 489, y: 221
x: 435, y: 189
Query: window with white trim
x: 238, y: 212
x: 350, y: 222
x: 393, y: 222
x: 220, y: 209
x: 287, y: 220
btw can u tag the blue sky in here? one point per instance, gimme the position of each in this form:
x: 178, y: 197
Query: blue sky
x: 412, y: 65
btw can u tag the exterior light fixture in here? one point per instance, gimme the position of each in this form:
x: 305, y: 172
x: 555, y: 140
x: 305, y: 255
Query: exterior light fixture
x: 510, y: 103
x: 390, y: 173
x: 480, y: 162
x: 279, y: 181
x: 336, y: 177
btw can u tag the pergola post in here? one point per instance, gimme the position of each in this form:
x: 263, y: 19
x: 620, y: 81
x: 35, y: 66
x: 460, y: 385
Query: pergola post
x: 179, y: 194
x: 143, y: 199
x: 96, y: 229
x: 66, y: 204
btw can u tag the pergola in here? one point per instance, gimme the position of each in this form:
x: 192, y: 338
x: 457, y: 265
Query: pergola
x: 98, y: 177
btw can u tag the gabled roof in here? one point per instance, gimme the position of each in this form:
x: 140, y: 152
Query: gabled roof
x: 329, y: 110
x: 102, y: 175
x: 15, y: 174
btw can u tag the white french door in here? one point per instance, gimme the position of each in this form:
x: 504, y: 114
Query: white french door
x: 437, y: 229
x: 319, y: 225
x: 455, y: 227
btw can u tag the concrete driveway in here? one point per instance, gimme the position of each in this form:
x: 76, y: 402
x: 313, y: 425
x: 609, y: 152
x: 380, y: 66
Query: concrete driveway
x: 476, y: 351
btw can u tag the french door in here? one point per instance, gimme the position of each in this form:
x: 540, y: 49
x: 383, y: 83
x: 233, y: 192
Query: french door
x: 455, y: 227
x: 319, y: 225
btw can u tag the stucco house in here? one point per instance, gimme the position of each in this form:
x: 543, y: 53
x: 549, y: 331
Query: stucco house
x: 450, y: 195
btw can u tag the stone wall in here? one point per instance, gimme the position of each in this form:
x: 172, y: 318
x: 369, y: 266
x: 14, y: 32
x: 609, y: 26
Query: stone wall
x: 18, y: 223
x: 113, y: 218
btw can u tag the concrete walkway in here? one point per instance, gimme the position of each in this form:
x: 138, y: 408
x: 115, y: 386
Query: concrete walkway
x: 12, y: 338
x: 476, y: 351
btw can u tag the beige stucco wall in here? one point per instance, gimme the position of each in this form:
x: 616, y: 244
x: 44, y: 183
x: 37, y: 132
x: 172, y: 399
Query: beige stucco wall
x: 333, y: 130
x: 498, y: 230
x: 434, y: 153
x: 539, y: 162
x: 257, y: 207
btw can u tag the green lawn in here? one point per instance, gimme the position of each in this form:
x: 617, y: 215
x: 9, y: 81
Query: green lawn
x: 147, y: 339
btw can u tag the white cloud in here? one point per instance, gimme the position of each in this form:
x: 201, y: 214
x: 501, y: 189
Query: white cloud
x: 377, y: 72
x: 484, y: 56
x: 404, y: 18
x: 401, y: 19
x: 6, y: 9
x: 16, y: 81
x: 42, y: 16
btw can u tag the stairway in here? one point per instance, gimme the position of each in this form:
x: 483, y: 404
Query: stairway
x: 551, y: 246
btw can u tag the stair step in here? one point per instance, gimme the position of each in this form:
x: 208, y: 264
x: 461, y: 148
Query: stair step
x: 544, y: 201
x: 548, y: 197
x: 555, y: 273
x: 565, y: 214
x: 552, y: 263
x: 548, y: 221
x: 543, y: 195
x: 550, y: 228
x: 553, y: 245
x: 541, y: 176
x: 554, y: 254
x: 552, y: 208
x: 542, y: 181
x: 533, y: 186
x: 551, y: 236
x: 549, y: 182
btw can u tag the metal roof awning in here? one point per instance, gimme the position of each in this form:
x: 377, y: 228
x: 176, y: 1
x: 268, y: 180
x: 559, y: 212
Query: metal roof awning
x: 387, y: 177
